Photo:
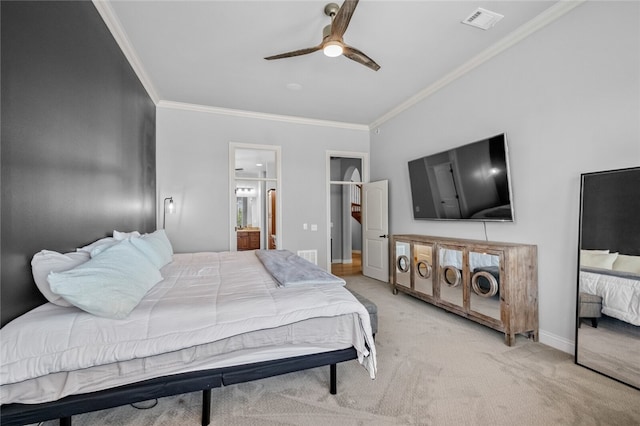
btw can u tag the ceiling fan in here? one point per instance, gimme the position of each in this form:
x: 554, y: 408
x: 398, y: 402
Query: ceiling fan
x: 332, y: 44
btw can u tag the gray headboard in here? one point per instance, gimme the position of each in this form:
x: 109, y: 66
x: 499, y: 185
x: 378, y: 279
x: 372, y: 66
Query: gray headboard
x: 78, y: 140
x: 610, y: 211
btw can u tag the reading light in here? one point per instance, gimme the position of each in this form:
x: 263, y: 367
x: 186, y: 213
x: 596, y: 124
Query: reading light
x: 167, y: 209
x: 333, y: 49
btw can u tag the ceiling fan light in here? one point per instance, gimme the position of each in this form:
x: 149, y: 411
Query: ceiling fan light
x: 332, y: 49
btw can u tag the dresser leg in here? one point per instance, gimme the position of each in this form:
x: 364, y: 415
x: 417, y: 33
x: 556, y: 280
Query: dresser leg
x: 509, y: 339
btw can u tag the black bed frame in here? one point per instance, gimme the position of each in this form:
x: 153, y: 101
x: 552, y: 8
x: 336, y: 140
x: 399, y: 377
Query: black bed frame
x: 63, y: 409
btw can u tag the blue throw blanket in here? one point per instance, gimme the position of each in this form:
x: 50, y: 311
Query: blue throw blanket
x: 289, y: 269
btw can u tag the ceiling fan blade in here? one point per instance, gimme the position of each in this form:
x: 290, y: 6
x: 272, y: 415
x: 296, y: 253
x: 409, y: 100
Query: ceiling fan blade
x: 295, y: 53
x: 358, y: 56
x: 342, y: 19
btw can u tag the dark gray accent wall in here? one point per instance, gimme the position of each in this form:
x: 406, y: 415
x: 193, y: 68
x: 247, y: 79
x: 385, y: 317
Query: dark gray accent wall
x: 78, y: 140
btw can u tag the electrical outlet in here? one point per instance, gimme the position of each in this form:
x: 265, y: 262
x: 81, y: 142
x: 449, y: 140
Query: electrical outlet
x: 314, y: 227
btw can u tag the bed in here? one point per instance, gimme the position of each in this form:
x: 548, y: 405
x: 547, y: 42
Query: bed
x: 212, y: 319
x: 615, y: 278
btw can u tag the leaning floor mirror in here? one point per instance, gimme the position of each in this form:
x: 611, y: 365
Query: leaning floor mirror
x: 608, y: 296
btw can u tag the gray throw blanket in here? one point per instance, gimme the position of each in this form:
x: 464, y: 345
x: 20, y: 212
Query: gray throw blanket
x: 612, y: 272
x: 289, y: 269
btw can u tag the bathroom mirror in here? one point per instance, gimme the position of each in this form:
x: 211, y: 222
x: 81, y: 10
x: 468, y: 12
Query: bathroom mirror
x: 608, y: 293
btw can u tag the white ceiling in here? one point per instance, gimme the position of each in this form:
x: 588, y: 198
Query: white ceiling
x: 210, y: 53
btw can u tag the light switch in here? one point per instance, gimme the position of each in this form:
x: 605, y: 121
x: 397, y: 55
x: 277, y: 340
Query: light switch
x: 305, y: 226
x: 314, y: 227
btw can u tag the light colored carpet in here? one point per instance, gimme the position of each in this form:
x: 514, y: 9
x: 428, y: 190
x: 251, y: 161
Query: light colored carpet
x: 613, y: 348
x: 434, y: 368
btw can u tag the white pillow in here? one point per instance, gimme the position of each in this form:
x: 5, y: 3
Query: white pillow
x: 111, y: 284
x: 156, y: 247
x: 598, y: 260
x: 626, y: 263
x: 89, y: 247
x: 47, y: 261
x: 124, y: 235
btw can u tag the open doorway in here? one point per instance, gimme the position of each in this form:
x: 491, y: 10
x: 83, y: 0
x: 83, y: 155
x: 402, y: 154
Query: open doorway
x: 346, y: 215
x: 254, y: 172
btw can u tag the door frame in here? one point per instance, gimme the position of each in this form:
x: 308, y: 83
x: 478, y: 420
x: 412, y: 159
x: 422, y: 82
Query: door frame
x: 364, y: 158
x: 232, y: 194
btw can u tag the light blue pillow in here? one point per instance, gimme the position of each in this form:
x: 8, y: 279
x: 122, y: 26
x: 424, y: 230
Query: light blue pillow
x: 109, y: 285
x: 89, y: 248
x: 156, y: 247
x: 96, y: 250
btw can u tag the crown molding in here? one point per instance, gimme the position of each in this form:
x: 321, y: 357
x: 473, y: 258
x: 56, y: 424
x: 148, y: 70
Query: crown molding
x: 260, y: 115
x: 546, y: 17
x: 113, y: 23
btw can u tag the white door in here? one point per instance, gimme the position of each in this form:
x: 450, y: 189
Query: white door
x: 375, y: 230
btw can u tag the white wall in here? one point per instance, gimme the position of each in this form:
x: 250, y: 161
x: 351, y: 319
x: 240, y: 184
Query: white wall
x: 569, y: 99
x: 192, y: 166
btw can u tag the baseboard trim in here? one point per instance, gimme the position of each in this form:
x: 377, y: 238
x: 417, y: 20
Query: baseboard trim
x: 557, y: 342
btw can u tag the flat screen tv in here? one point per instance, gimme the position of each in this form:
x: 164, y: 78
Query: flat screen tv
x: 470, y: 182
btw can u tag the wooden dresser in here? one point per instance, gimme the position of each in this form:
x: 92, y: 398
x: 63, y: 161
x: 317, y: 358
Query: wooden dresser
x: 492, y: 283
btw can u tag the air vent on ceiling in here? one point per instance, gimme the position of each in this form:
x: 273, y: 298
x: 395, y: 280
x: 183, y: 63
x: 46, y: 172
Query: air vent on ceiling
x: 483, y: 18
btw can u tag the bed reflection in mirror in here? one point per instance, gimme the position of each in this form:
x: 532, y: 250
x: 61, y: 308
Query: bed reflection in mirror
x: 403, y: 264
x: 485, y: 284
x: 608, y: 293
x: 423, y: 261
x: 451, y: 276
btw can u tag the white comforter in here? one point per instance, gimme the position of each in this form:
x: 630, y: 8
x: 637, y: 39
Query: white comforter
x: 204, y: 297
x: 620, y: 294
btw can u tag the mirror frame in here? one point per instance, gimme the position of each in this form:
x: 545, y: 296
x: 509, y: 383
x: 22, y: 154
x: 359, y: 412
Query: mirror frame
x: 616, y: 240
